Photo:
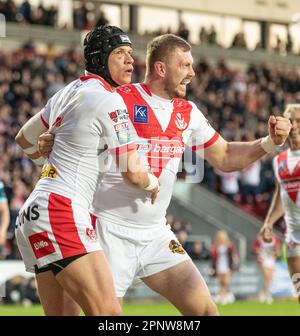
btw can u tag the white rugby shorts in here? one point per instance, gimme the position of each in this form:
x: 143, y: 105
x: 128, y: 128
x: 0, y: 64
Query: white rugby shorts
x: 292, y: 239
x: 52, y: 227
x: 134, y: 254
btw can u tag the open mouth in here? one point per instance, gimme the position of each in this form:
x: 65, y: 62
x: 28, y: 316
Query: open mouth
x: 185, y: 82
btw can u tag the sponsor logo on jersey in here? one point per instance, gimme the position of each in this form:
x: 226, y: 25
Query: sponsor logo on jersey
x: 140, y: 114
x: 118, y: 115
x: 91, y: 234
x: 167, y: 148
x: 31, y: 213
x: 176, y: 247
x: 180, y: 122
x: 143, y: 146
x: 49, y: 172
x: 121, y: 126
x: 41, y: 244
x: 122, y: 132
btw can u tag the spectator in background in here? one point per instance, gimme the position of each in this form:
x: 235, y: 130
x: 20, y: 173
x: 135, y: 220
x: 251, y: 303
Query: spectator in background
x: 170, y: 219
x: 212, y: 36
x: 188, y: 227
x: 229, y: 185
x: 4, y: 218
x: 250, y: 183
x: 239, y: 41
x: 102, y: 19
x: 203, y: 35
x: 183, y: 31
x: 176, y: 226
x: 289, y: 43
x: 25, y: 11
x: 80, y: 15
x: 9, y: 9
x: 199, y: 251
x: 224, y: 263
x: 266, y: 255
x: 182, y: 238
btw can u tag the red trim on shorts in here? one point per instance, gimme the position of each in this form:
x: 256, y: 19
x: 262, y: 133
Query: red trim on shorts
x: 63, y: 226
x: 104, y: 83
x: 44, y: 122
x: 208, y: 143
x: 123, y: 149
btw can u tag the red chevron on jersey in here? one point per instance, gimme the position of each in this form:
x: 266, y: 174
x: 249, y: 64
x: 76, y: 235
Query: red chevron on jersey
x: 163, y: 145
x: 290, y: 180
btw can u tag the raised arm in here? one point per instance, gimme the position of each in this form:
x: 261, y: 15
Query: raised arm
x: 231, y: 156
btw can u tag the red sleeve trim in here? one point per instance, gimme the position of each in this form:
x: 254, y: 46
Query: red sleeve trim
x: 104, y: 83
x: 208, y: 143
x: 122, y: 149
x: 44, y: 122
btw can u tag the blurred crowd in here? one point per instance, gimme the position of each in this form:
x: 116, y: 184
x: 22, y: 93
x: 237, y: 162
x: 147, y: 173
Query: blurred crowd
x: 236, y: 103
x: 25, y: 13
x: 195, y: 247
x: 87, y: 15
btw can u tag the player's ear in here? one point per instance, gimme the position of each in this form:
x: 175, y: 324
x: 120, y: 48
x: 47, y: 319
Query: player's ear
x: 160, y: 68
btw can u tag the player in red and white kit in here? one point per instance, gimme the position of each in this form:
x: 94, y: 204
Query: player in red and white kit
x: 136, y: 241
x: 54, y: 230
x: 286, y: 200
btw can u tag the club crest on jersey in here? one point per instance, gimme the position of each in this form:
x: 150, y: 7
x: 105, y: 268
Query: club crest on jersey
x: 180, y: 122
x: 140, y: 114
x: 176, y: 247
x: 113, y: 116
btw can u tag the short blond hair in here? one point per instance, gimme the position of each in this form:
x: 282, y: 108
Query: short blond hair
x: 289, y: 109
x: 161, y: 47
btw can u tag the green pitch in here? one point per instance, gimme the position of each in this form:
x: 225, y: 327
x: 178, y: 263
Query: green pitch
x: 278, y: 308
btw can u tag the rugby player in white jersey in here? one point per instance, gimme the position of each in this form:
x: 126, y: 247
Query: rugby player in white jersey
x: 54, y: 230
x: 137, y: 242
x: 286, y: 200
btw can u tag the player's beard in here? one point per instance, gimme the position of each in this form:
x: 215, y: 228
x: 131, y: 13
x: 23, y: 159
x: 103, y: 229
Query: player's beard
x: 174, y: 90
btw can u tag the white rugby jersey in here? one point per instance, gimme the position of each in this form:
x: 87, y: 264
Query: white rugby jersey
x: 161, y: 129
x: 82, y: 117
x: 287, y: 171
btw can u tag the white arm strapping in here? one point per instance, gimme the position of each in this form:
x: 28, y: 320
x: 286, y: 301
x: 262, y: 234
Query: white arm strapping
x: 268, y: 145
x: 33, y: 128
x: 153, y: 182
